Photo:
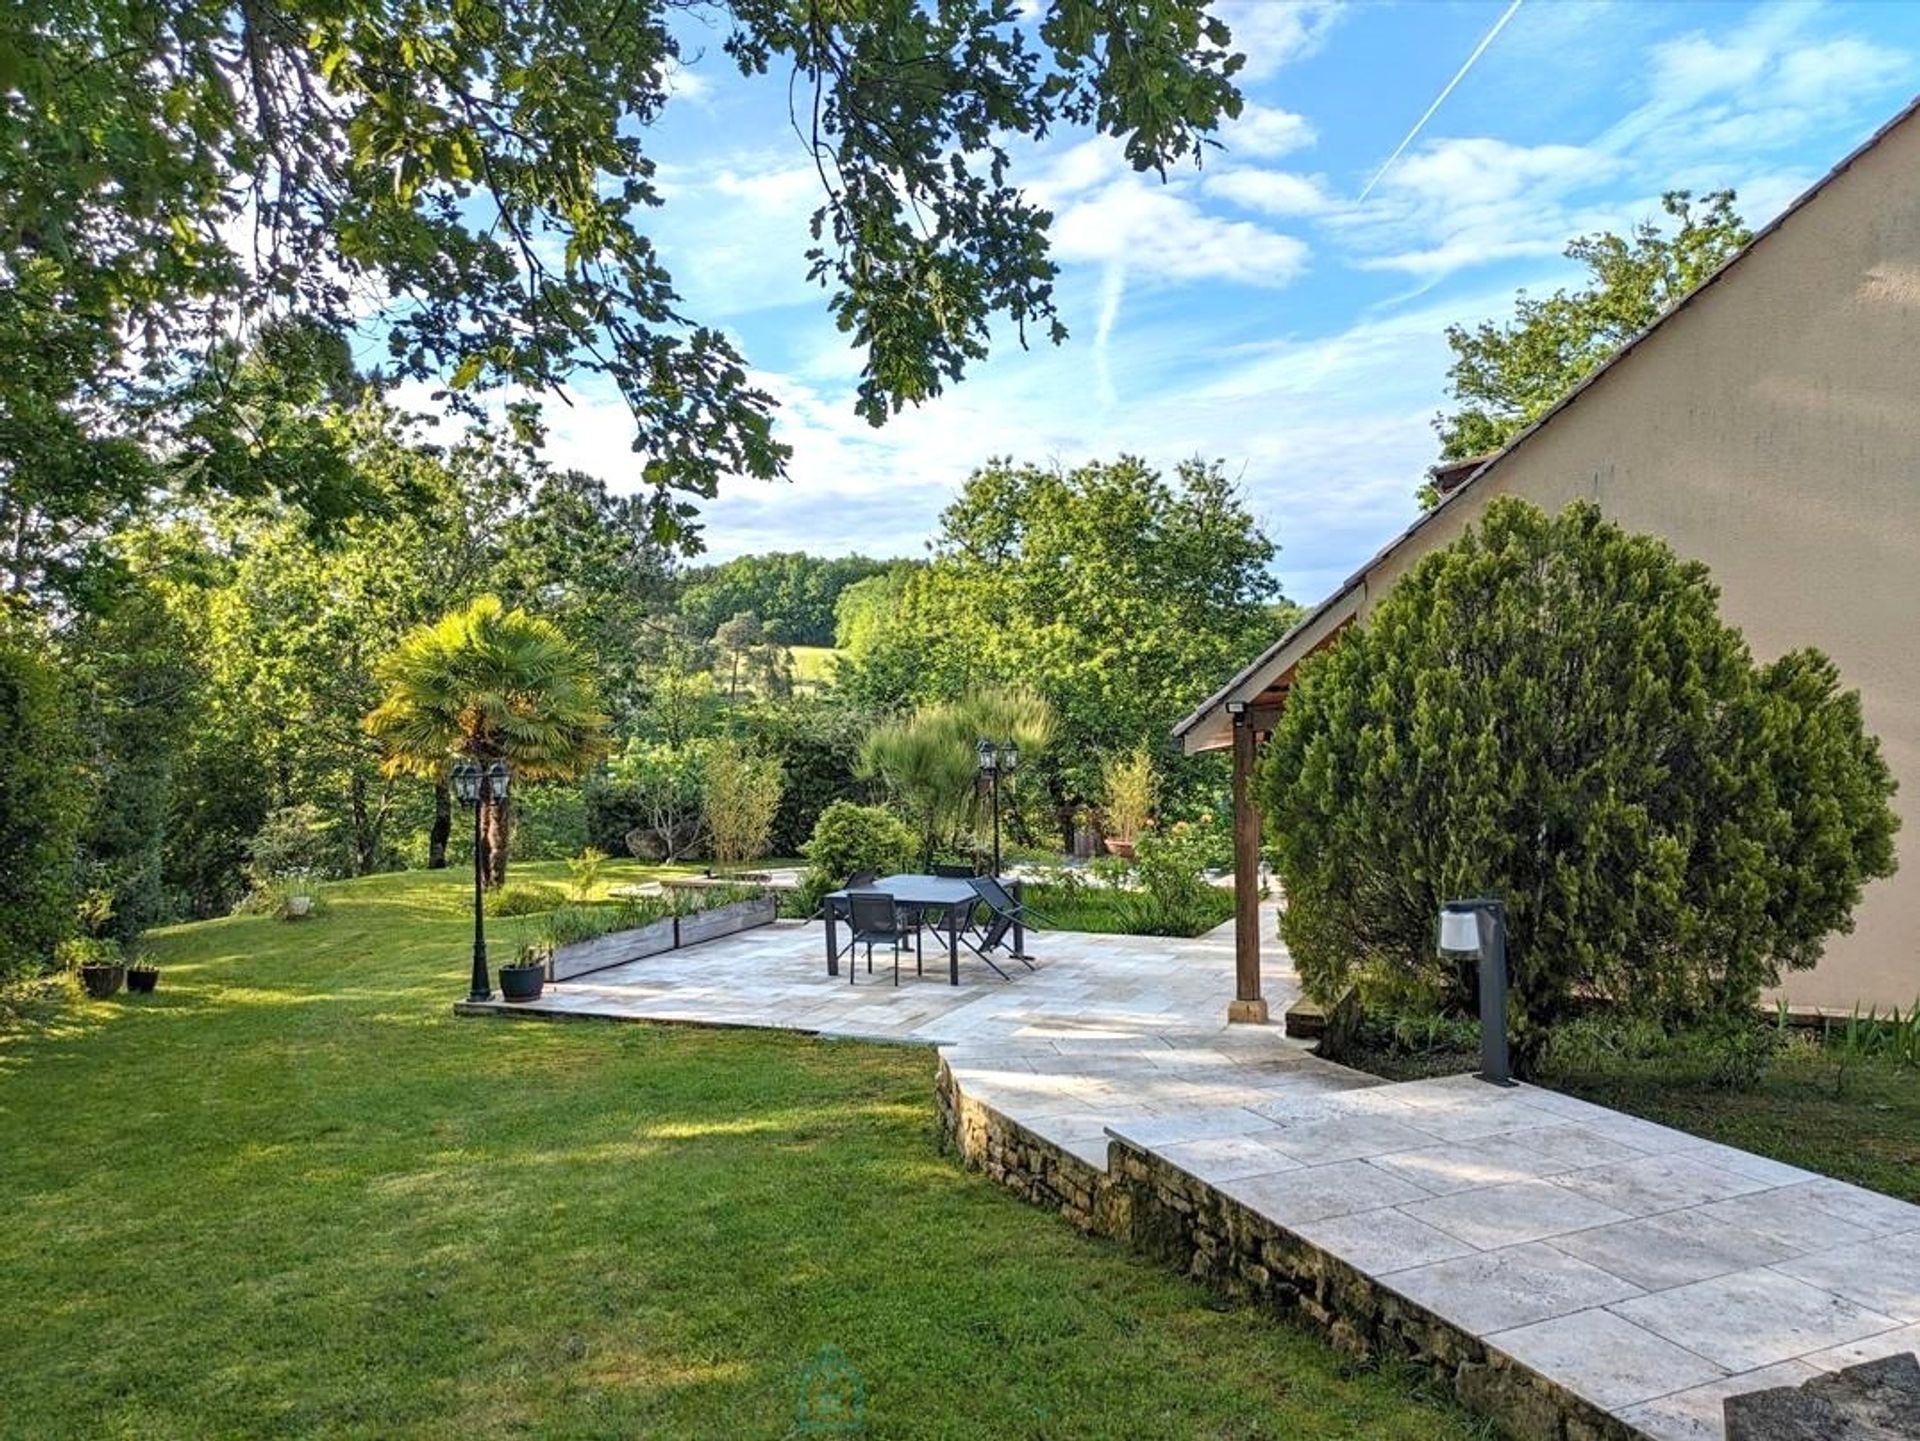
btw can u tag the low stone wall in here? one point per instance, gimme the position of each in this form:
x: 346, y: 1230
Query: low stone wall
x: 1168, y: 1214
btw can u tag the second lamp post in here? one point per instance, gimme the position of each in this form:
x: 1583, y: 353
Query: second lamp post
x: 994, y: 761
x: 475, y: 785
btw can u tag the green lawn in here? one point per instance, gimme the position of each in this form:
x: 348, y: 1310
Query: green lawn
x: 1106, y: 911
x: 1858, y: 1120
x: 291, y: 1194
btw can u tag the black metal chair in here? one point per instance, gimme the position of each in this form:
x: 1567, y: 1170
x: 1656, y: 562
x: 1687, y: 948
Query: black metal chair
x: 875, y: 916
x: 951, y: 872
x: 1004, y: 912
x: 858, y: 881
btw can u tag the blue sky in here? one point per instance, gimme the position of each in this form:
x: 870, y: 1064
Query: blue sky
x: 1254, y: 310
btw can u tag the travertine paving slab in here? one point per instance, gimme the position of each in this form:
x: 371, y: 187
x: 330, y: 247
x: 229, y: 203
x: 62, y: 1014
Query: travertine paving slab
x: 1311, y: 1193
x: 1509, y: 1215
x: 1610, y: 1361
x: 1515, y: 1286
x: 1748, y: 1319
x: 1228, y: 1158
x: 1675, y: 1248
x: 1658, y: 1183
x: 1382, y: 1242
x: 1882, y: 1275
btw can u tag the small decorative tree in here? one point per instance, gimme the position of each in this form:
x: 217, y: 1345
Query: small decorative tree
x: 742, y: 794
x: 1132, y: 788
x: 1552, y: 709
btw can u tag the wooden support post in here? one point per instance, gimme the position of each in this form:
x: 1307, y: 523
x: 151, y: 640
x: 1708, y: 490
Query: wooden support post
x: 1247, y: 1003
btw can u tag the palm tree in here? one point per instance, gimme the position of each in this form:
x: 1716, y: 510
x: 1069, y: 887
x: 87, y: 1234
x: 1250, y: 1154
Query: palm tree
x: 489, y: 684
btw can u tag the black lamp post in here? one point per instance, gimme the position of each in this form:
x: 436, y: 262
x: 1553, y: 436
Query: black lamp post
x: 475, y: 785
x: 996, y: 760
x: 1479, y: 928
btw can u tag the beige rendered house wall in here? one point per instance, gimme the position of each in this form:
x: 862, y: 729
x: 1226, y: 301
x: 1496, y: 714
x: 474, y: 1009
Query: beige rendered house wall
x: 1771, y: 428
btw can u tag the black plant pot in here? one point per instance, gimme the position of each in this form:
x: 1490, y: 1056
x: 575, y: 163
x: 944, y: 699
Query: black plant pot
x: 102, y: 981
x: 142, y: 979
x: 522, y: 983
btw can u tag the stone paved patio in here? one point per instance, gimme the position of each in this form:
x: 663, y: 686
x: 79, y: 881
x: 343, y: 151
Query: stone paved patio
x: 1646, y: 1270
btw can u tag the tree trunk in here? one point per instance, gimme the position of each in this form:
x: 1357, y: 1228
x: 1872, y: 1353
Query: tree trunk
x: 442, y: 826
x: 497, y: 828
x: 364, y: 840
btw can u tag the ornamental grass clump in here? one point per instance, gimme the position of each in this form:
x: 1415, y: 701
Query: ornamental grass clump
x: 1551, y: 709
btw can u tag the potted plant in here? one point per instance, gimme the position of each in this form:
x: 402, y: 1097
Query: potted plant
x: 527, y: 976
x: 142, y: 976
x: 103, y: 970
x: 1132, y: 787
x: 296, y: 902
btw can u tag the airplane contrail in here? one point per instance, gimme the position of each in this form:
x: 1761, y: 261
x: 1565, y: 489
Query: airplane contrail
x: 1441, y: 98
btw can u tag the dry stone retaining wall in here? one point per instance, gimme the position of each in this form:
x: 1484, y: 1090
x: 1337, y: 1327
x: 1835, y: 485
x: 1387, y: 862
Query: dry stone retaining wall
x: 1166, y: 1213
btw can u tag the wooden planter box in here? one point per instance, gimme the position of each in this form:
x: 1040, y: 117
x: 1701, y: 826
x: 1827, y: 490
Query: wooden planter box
x: 583, y: 957
x: 726, y: 920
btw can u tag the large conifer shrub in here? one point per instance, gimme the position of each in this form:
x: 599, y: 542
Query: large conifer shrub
x: 1552, y: 709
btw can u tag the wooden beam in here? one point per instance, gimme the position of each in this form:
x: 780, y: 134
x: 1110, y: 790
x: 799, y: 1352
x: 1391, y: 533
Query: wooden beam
x: 1247, y: 1002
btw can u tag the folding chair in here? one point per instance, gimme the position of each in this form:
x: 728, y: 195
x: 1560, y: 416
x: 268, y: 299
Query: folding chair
x: 876, y: 917
x: 1004, y: 912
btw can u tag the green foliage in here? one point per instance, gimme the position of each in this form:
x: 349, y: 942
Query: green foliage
x: 525, y: 898
x: 549, y: 821
x: 486, y: 171
x: 295, y: 841
x: 1131, y: 787
x: 1553, y: 711
x: 649, y: 801
x: 1175, y: 897
x: 929, y: 764
x: 865, y: 610
x: 793, y: 594
x: 740, y: 795
x: 285, y: 898
x: 487, y: 683
x: 584, y: 871
x: 1111, y: 899
x: 1120, y: 594
x: 43, y: 803
x: 817, y: 743
x: 849, y: 838
x: 1505, y: 376
x: 570, y: 924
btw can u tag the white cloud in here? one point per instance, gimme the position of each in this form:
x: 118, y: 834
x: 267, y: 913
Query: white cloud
x: 1264, y: 130
x: 1271, y: 192
x: 1273, y: 33
x: 1159, y: 232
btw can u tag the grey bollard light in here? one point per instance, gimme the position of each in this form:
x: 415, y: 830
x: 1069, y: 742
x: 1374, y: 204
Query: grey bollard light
x: 1479, y: 928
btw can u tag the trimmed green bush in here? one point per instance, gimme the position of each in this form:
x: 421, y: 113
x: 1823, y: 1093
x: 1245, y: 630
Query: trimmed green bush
x: 525, y: 898
x: 849, y: 838
x: 1552, y: 709
x: 43, y: 803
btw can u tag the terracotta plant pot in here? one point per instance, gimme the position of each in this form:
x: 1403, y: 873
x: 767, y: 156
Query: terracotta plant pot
x: 102, y: 981
x: 1122, y: 849
x: 522, y: 983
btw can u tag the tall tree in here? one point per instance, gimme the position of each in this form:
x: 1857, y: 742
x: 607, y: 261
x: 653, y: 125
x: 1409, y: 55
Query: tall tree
x: 1504, y: 376
x: 1122, y: 595
x: 476, y: 173
x: 793, y: 593
x: 486, y: 684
